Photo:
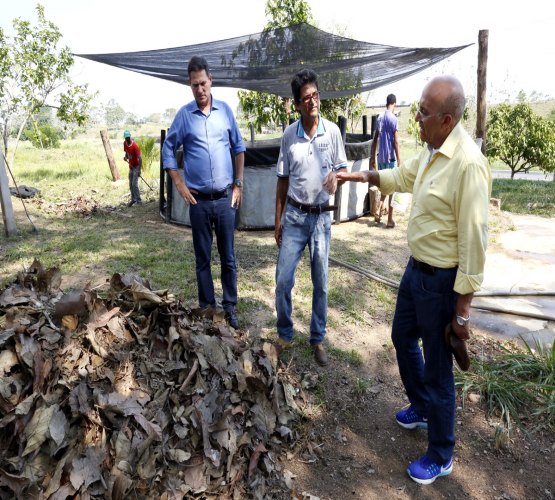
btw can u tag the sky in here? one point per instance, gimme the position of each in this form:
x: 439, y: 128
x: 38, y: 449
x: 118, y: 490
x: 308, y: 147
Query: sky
x: 520, y: 55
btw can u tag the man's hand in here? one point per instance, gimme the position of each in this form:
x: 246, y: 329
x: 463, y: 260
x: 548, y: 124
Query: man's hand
x: 187, y: 194
x: 462, y: 332
x: 278, y: 233
x: 330, y: 183
x: 354, y: 176
x: 236, y: 197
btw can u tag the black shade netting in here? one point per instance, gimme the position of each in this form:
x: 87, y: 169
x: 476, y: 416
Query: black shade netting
x: 267, y: 61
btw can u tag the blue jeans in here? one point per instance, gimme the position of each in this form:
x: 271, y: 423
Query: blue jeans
x: 134, y: 174
x: 217, y: 215
x: 300, y: 229
x: 425, y: 304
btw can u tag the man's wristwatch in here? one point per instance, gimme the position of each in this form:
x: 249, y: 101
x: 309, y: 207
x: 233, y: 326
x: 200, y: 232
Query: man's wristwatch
x: 462, y: 321
x: 238, y: 183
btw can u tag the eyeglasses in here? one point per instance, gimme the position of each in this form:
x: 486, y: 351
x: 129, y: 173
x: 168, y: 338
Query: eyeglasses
x: 425, y: 114
x: 307, y: 98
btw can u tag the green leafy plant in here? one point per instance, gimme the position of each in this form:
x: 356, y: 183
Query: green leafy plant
x: 149, y: 152
x: 44, y: 136
x: 520, y: 138
x: 518, y: 386
x: 413, y: 128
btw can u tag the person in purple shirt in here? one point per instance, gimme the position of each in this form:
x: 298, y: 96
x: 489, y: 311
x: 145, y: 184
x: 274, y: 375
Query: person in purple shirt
x: 208, y: 132
x: 388, y: 153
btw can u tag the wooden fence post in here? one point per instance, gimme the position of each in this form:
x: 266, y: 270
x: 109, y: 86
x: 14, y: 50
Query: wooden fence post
x: 109, y: 155
x: 481, y: 90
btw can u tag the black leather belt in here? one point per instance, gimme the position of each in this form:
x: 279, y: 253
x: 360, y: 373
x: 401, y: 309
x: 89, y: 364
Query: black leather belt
x: 310, y: 209
x: 427, y: 268
x: 211, y: 196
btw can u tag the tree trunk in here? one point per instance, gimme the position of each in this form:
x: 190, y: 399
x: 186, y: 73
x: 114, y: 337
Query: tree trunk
x: 17, y: 139
x: 5, y: 136
x: 109, y: 155
x: 6, y: 200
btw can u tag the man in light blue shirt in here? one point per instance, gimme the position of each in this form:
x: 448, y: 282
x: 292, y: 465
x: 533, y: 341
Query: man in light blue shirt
x: 208, y: 132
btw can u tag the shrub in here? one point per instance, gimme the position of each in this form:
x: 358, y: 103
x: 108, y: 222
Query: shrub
x: 150, y: 152
x: 44, y: 136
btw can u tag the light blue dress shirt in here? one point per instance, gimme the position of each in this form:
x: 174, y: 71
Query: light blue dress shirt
x: 208, y: 142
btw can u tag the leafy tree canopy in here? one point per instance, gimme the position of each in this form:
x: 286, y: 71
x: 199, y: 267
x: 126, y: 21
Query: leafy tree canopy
x: 114, y: 114
x: 34, y: 72
x: 520, y: 138
x: 262, y: 109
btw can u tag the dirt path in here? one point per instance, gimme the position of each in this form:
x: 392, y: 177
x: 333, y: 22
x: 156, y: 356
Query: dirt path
x: 522, y: 261
x: 354, y: 448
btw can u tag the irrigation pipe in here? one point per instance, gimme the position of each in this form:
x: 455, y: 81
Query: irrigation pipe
x: 364, y: 272
x: 515, y: 313
x: 395, y: 284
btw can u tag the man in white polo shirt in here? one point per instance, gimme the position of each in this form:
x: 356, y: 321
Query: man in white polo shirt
x: 312, y: 151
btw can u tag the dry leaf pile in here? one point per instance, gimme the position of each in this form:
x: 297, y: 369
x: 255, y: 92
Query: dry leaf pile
x: 129, y: 393
x: 81, y: 205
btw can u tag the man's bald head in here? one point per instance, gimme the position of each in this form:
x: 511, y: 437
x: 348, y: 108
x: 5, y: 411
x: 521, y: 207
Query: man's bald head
x: 448, y: 94
x: 441, y: 108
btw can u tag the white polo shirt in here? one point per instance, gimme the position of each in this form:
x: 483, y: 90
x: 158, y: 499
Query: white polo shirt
x: 307, y: 161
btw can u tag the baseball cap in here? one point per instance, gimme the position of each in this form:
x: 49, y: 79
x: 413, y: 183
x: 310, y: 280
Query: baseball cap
x: 126, y: 134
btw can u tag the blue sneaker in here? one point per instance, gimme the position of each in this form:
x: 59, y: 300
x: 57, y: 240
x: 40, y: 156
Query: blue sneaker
x: 409, y: 419
x: 424, y: 471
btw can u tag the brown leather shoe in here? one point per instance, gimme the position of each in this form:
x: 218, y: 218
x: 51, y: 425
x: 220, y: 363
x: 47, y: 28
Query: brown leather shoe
x: 457, y: 347
x: 320, y: 354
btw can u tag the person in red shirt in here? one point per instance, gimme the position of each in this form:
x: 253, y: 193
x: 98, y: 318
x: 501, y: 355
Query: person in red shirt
x: 135, y: 160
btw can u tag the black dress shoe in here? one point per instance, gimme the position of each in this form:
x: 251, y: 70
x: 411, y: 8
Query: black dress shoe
x: 231, y: 318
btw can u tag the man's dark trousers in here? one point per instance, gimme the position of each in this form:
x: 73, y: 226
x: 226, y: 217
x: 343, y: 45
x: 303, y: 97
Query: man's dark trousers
x: 208, y: 217
x: 425, y: 304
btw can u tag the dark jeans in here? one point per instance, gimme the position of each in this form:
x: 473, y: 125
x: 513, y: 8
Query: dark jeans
x: 217, y: 215
x: 425, y: 304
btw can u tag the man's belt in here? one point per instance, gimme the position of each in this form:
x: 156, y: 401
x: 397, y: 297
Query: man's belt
x: 427, y: 268
x: 310, y: 209
x: 216, y: 195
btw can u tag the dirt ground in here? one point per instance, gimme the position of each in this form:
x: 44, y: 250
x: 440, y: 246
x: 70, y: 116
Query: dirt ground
x: 355, y: 449
x: 351, y: 446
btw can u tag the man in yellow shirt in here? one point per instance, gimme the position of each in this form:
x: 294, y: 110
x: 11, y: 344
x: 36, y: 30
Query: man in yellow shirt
x: 447, y: 233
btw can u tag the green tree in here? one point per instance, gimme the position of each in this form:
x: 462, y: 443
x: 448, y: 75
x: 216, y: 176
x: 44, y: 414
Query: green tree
x: 169, y: 114
x: 115, y: 115
x: 34, y: 73
x: 520, y: 138
x: 413, y: 128
x: 154, y: 118
x: 259, y: 108
x: 262, y: 109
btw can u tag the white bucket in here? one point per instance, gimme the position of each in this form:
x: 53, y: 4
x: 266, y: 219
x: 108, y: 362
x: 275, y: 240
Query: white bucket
x: 401, y: 201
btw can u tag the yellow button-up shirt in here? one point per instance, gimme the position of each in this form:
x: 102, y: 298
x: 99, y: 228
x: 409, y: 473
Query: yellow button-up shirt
x: 448, y: 224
